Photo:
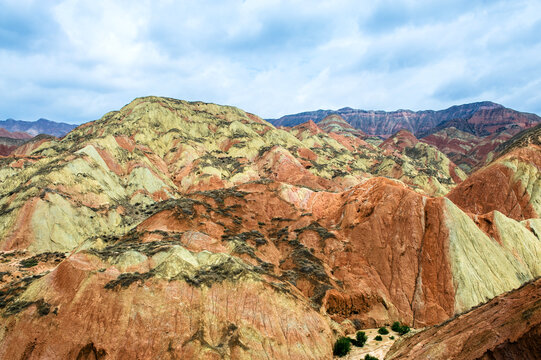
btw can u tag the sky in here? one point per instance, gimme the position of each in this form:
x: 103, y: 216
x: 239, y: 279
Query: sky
x: 75, y: 60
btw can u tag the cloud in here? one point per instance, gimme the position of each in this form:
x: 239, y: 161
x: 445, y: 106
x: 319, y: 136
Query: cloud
x: 74, y: 60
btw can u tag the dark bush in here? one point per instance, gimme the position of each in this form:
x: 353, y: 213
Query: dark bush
x: 404, y: 329
x: 401, y: 329
x: 28, y: 263
x: 378, y: 338
x: 360, y: 340
x: 370, y: 357
x: 342, y: 346
x: 383, y: 330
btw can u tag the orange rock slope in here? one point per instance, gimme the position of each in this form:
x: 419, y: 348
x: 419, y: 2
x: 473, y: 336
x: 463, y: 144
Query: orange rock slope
x: 507, y: 327
x: 171, y: 229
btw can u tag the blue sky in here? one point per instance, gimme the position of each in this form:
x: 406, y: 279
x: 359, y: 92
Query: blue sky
x: 75, y: 60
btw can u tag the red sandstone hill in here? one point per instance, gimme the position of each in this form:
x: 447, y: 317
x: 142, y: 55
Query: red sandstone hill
x: 509, y: 184
x: 173, y: 229
x: 507, y: 327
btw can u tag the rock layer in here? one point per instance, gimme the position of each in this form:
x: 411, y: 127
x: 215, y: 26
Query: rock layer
x: 507, y: 327
x: 192, y: 230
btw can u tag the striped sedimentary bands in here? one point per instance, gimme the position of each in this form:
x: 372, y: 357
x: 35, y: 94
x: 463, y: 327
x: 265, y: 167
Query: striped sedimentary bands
x: 191, y: 230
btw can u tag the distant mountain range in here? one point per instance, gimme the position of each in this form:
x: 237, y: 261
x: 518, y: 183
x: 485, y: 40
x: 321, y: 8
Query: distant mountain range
x: 467, y: 134
x: 41, y: 126
x: 479, y: 119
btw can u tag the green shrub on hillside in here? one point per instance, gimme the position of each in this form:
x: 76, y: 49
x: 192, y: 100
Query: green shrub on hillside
x: 360, y: 340
x: 342, y: 346
x: 370, y: 357
x: 378, y: 338
x: 401, y: 329
x: 383, y: 330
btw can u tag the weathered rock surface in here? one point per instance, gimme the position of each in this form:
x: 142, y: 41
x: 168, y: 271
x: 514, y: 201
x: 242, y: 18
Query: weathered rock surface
x: 192, y: 230
x: 509, y: 185
x: 507, y: 327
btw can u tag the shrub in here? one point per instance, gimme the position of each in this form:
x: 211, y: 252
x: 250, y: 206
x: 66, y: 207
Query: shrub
x: 28, y: 263
x: 370, y: 357
x: 383, y: 330
x: 401, y: 329
x: 378, y: 338
x: 360, y: 340
x: 342, y: 346
x: 391, y: 337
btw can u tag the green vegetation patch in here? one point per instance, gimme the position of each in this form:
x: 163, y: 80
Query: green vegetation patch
x: 341, y: 347
x: 43, y: 257
x: 126, y: 279
x: 401, y: 329
x: 360, y: 339
x: 9, y: 295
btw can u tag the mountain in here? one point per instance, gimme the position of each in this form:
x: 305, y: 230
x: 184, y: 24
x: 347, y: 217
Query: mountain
x: 507, y: 327
x: 14, y: 135
x: 8, y: 144
x: 174, y: 229
x: 510, y: 184
x: 41, y: 126
x: 465, y: 133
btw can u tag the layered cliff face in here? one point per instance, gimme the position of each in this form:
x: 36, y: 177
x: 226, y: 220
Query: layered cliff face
x: 507, y: 327
x: 509, y: 185
x: 468, y: 134
x: 479, y: 119
x: 467, y: 150
x: 192, y: 230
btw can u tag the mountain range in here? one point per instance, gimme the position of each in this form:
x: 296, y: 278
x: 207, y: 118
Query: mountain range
x: 175, y: 229
x: 33, y: 128
x: 466, y: 133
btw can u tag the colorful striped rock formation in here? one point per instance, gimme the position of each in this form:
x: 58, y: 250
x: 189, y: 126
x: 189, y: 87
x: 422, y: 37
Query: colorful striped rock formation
x: 173, y: 229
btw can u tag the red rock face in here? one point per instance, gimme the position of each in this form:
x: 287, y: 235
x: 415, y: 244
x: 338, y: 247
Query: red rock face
x: 78, y: 316
x: 494, y: 188
x: 399, y: 141
x: 507, y: 327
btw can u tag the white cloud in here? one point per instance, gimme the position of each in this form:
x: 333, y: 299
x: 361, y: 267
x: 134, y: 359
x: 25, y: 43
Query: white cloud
x: 269, y: 57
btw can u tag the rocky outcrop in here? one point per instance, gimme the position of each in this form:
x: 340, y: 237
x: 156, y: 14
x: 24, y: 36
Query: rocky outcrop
x: 467, y: 150
x: 509, y: 185
x: 507, y: 327
x: 162, y: 303
x: 192, y: 230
